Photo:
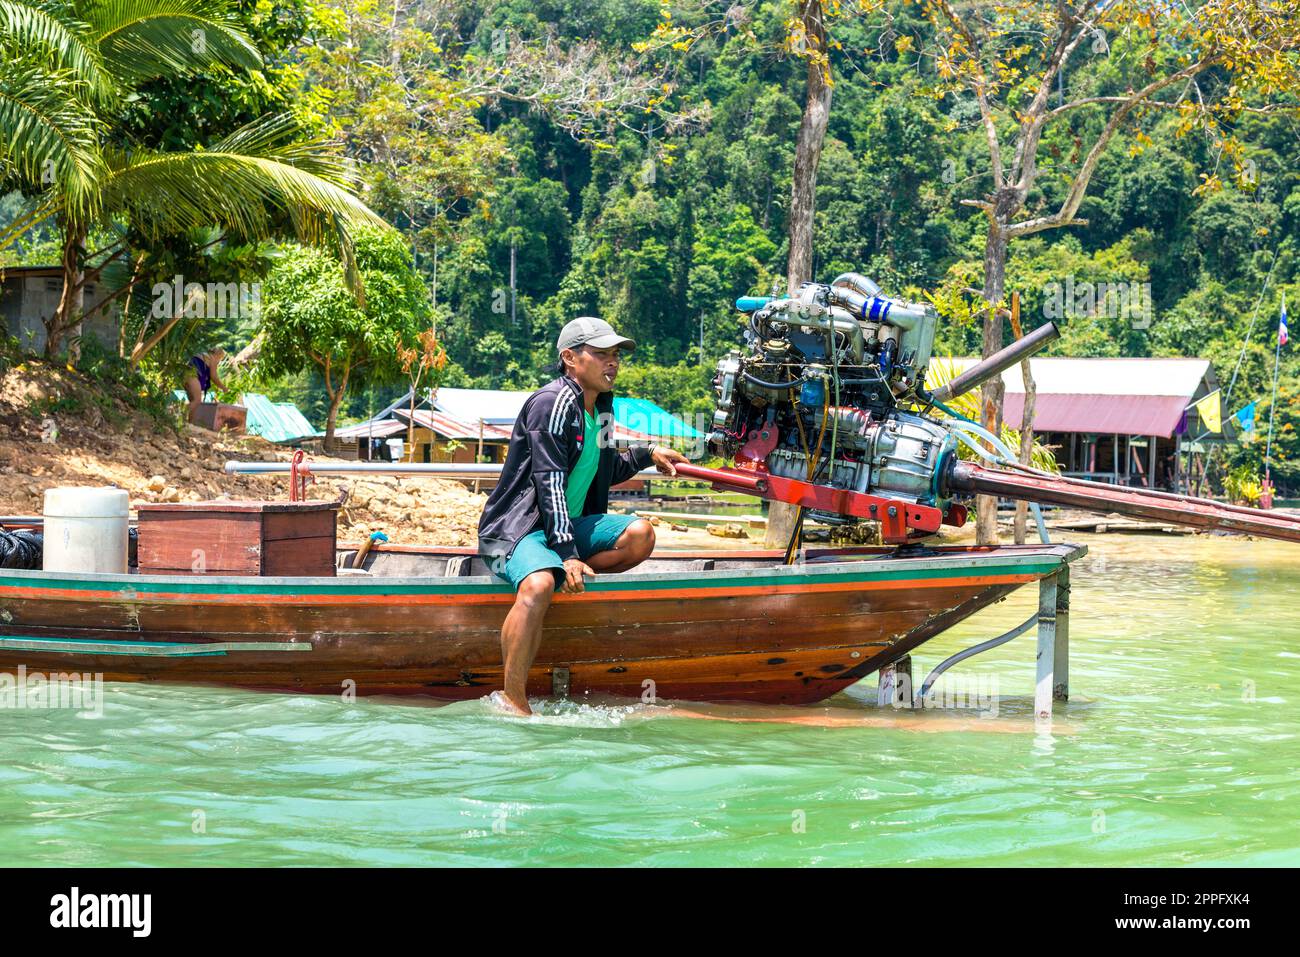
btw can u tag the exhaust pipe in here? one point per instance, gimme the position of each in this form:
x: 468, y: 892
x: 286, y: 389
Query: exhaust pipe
x: 999, y: 362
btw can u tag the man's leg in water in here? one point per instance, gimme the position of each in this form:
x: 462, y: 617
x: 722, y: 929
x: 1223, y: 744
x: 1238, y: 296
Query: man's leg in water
x: 521, y: 635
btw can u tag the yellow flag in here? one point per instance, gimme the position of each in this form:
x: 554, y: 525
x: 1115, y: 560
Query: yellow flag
x: 1210, y: 411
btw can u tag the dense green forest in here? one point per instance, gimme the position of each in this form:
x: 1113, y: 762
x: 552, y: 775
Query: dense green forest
x: 632, y: 159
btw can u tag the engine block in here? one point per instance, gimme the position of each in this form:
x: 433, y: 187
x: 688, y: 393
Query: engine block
x: 818, y: 394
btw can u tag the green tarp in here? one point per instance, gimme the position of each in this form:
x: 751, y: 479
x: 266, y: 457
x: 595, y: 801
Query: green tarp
x: 642, y: 415
x: 273, y: 421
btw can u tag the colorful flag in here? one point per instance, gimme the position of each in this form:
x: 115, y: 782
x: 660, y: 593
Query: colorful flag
x: 1245, y: 417
x: 1282, y: 337
x: 1211, y: 412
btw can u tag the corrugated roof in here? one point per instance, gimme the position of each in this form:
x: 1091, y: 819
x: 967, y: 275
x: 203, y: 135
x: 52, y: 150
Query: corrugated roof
x: 1121, y: 415
x: 1122, y: 396
x: 273, y: 421
x: 451, y: 427
x: 491, y: 405
x: 642, y: 415
x: 1103, y: 376
x: 276, y: 421
x: 381, y: 429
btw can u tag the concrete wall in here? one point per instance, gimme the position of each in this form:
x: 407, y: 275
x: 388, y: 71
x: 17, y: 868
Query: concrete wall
x: 26, y: 301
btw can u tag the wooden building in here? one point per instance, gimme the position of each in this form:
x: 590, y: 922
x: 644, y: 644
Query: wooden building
x: 1122, y: 421
x: 427, y: 435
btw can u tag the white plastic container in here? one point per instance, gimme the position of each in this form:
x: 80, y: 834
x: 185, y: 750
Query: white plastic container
x: 86, y: 530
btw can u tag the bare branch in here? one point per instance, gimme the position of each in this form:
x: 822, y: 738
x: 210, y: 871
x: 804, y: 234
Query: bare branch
x: 1031, y: 130
x: 580, y: 87
x: 1170, y: 104
x: 978, y: 82
x: 1079, y: 186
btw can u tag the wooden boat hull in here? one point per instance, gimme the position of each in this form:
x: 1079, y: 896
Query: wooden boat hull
x: 752, y: 630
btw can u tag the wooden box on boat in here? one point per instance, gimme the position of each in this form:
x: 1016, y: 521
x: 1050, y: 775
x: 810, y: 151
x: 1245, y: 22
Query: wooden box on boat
x: 238, y: 538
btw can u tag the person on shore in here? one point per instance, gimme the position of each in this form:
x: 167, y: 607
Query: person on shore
x: 201, y: 376
x: 545, y: 525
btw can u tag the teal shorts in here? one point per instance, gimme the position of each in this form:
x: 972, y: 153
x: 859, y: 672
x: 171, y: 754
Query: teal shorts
x: 591, y: 533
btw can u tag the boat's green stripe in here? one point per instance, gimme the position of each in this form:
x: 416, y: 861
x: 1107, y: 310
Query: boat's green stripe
x: 156, y: 649
x: 740, y: 581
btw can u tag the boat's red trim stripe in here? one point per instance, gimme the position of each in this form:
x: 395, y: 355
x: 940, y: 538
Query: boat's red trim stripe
x: 507, y: 598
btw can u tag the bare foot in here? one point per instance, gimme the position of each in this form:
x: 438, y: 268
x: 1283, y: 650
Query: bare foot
x: 510, y: 705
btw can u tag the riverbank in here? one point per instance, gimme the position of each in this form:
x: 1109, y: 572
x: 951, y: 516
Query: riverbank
x: 61, y: 428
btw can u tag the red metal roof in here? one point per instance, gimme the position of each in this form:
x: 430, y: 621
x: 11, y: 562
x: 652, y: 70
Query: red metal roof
x: 1120, y: 414
x: 364, y: 430
x: 450, y: 427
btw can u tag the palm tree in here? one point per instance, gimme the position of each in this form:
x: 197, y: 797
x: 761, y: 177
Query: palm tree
x: 69, y: 66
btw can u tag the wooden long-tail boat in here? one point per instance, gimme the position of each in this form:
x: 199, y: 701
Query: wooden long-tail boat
x: 719, y: 625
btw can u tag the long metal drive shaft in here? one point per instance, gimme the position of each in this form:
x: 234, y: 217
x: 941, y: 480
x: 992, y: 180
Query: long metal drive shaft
x: 1133, y: 502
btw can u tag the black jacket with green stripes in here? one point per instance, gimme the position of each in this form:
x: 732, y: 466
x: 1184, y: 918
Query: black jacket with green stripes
x: 544, y: 448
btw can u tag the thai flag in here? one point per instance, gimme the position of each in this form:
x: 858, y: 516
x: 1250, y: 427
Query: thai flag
x: 1282, y: 337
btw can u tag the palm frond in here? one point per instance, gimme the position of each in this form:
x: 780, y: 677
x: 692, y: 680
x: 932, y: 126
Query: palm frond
x: 48, y: 134
x: 34, y: 29
x: 242, y: 194
x: 139, y: 39
x: 252, y: 194
x: 278, y: 137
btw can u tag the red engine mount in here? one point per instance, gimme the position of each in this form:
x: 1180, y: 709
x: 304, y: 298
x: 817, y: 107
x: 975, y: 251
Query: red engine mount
x: 896, y: 517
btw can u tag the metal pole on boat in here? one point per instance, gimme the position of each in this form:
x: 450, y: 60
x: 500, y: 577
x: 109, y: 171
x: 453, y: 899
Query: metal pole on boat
x: 487, y: 472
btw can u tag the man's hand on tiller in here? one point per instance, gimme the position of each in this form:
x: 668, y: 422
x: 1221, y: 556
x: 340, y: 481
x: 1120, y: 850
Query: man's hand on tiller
x: 664, y: 457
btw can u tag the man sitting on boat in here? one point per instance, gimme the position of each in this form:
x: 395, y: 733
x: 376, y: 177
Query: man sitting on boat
x: 545, y: 525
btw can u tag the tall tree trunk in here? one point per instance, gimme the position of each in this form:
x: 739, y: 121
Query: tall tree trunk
x: 781, y: 517
x: 410, y: 425
x: 1026, y: 420
x: 71, y: 299
x: 808, y: 147
x: 126, y: 306
x: 991, y: 393
x: 336, y: 399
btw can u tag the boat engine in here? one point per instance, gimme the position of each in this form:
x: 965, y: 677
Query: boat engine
x: 815, y: 396
x: 826, y: 407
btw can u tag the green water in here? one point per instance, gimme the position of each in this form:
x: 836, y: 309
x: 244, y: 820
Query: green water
x: 1179, y: 746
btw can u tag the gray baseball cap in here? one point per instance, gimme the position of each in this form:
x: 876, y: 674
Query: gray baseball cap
x: 590, y: 331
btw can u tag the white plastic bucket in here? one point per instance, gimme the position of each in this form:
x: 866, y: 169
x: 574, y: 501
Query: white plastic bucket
x: 86, y: 530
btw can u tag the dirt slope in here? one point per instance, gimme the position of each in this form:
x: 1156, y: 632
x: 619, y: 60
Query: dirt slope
x: 59, y: 428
